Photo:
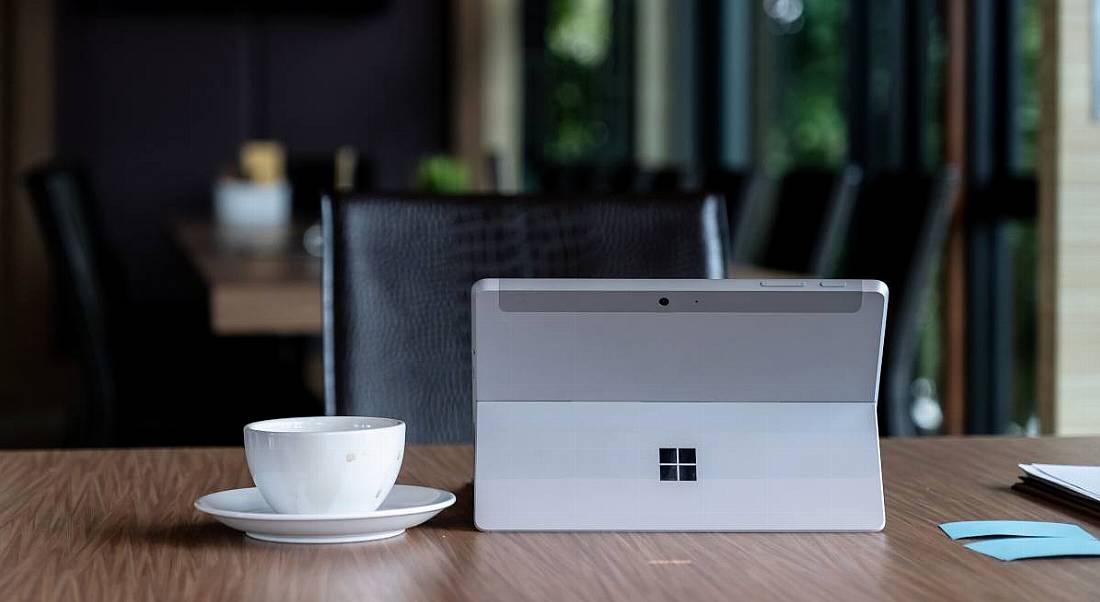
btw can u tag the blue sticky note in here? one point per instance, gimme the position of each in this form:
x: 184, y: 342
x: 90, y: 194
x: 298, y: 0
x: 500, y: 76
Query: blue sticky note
x: 1015, y: 528
x: 1017, y: 548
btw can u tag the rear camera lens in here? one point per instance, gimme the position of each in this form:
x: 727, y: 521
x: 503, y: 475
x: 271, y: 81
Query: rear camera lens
x: 663, y: 301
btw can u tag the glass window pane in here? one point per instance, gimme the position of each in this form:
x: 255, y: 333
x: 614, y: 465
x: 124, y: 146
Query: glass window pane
x: 804, y: 54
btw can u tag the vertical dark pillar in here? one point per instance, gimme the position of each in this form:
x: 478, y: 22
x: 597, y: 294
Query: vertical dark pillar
x: 990, y: 155
x: 710, y: 112
x: 917, y: 15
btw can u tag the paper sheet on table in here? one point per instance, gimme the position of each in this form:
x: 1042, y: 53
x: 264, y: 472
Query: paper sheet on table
x: 1083, y: 480
x: 1014, y: 528
x: 1019, y: 548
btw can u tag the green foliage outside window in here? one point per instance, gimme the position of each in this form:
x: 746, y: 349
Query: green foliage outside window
x: 578, y: 36
x: 1027, y: 109
x: 810, y: 126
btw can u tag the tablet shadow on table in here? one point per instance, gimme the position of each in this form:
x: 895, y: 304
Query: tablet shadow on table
x: 460, y: 516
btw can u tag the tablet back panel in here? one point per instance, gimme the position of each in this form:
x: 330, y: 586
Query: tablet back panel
x: 735, y: 406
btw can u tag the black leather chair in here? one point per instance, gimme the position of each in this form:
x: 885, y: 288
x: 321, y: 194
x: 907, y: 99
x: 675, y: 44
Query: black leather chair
x: 146, y: 380
x: 897, y: 233
x: 811, y: 212
x: 398, y: 272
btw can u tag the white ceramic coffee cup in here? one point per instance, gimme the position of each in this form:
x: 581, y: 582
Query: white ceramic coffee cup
x: 325, y: 464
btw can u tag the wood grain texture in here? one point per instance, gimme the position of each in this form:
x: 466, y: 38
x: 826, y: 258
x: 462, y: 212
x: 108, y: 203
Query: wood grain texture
x: 119, y: 524
x: 275, y: 293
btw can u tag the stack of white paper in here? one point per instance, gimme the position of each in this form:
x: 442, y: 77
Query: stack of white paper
x: 1075, y: 484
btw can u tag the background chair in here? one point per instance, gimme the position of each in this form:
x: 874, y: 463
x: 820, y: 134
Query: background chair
x: 398, y: 272
x: 812, y: 209
x: 88, y: 279
x: 146, y: 380
x: 744, y: 191
x: 897, y: 235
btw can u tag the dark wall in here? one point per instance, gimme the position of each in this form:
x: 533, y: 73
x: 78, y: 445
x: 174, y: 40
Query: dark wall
x: 156, y: 104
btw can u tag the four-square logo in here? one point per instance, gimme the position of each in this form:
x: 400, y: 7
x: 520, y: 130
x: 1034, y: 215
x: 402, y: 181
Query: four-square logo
x: 677, y: 463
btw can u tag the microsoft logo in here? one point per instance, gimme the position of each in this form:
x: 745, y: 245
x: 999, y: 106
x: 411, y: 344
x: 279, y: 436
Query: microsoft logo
x: 677, y: 463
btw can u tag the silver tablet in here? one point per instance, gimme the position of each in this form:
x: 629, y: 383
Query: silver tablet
x: 677, y: 405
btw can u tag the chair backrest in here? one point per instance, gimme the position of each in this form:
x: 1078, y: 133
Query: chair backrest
x: 811, y: 213
x: 398, y: 272
x: 897, y: 233
x: 65, y: 211
x: 744, y: 194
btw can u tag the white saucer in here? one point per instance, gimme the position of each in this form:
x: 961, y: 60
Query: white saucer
x: 245, y: 510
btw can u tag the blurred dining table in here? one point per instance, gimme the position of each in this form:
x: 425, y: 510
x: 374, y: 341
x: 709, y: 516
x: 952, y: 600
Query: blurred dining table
x: 256, y: 285
x: 270, y: 285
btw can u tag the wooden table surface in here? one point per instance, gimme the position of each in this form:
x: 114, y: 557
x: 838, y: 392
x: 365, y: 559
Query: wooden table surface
x: 119, y: 524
